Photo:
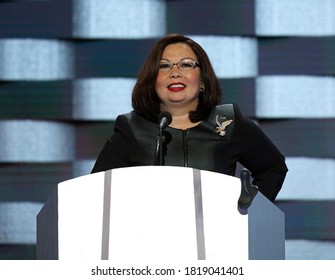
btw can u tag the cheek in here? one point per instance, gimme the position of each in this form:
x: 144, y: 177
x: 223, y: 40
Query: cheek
x: 194, y: 79
x: 160, y: 84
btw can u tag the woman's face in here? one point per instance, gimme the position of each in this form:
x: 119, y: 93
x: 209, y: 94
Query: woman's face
x: 178, y: 88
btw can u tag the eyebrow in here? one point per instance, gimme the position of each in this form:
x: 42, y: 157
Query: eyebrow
x: 180, y: 59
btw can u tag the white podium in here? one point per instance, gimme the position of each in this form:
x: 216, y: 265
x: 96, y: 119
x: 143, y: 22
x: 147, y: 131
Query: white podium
x: 157, y: 213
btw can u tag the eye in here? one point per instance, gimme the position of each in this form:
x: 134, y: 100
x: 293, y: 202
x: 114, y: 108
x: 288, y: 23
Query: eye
x: 164, y: 66
x: 186, y: 64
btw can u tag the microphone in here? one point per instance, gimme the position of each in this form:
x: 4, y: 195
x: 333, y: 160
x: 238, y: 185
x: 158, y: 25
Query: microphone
x: 164, y: 119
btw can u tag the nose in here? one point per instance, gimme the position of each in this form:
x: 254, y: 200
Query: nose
x: 175, y: 72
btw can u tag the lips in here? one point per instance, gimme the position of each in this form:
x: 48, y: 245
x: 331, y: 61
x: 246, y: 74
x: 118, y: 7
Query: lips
x: 176, y: 87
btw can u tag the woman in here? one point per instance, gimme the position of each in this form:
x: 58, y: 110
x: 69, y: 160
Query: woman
x: 178, y: 78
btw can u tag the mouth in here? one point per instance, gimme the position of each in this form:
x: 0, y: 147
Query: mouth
x: 176, y: 87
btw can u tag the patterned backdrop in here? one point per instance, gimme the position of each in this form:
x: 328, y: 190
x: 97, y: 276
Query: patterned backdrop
x: 67, y: 69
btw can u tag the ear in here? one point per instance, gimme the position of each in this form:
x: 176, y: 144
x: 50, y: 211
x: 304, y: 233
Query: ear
x: 202, y: 87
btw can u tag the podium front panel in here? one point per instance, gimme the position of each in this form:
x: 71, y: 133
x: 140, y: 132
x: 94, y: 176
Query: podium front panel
x: 150, y: 213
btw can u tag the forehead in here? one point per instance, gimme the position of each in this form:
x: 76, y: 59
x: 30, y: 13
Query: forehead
x: 178, y: 51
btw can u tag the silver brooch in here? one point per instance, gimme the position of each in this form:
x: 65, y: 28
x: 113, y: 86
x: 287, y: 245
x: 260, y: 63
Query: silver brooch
x: 222, y: 124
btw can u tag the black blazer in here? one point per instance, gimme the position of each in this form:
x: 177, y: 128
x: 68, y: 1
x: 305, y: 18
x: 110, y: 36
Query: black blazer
x: 216, y: 144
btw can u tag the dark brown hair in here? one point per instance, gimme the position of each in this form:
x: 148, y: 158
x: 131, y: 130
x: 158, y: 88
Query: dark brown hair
x: 144, y: 98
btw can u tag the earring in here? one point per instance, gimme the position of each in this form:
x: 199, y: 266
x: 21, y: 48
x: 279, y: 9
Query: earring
x: 202, y: 89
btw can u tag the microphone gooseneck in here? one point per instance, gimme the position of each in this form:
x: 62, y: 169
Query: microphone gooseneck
x: 164, y: 119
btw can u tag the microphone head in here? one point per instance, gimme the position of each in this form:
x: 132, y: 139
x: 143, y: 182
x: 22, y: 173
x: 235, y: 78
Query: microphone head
x: 166, y: 115
x: 164, y: 119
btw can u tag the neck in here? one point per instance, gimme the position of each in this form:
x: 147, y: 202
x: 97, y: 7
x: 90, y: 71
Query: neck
x: 182, y: 121
x: 180, y: 116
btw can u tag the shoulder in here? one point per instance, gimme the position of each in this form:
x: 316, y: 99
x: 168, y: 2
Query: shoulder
x: 230, y: 118
x: 129, y: 118
x: 124, y: 122
x: 229, y: 111
x: 125, y: 116
x: 134, y: 122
